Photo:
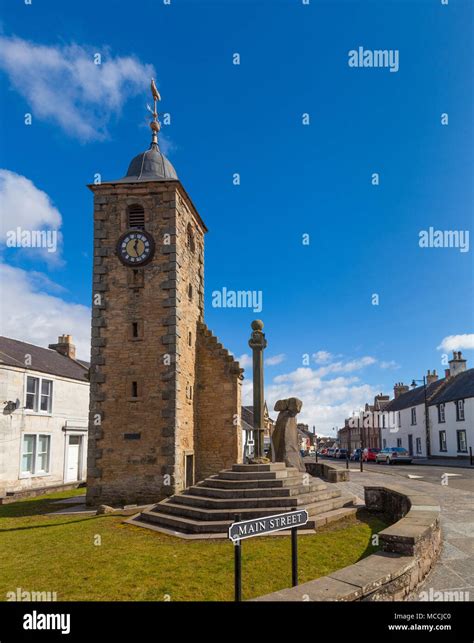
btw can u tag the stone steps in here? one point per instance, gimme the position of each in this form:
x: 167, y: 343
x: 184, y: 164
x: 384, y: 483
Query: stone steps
x: 245, y: 513
x: 271, y: 501
x: 249, y: 491
x: 258, y: 492
x: 223, y: 483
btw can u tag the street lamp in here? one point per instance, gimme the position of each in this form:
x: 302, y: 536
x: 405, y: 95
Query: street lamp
x: 427, y: 418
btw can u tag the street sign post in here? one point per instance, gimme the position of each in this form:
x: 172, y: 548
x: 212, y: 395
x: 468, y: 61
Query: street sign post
x: 242, y: 529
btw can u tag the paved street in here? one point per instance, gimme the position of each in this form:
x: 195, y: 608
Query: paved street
x: 455, y: 567
x: 457, y: 478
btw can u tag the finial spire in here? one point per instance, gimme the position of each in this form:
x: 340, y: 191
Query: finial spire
x: 155, y: 123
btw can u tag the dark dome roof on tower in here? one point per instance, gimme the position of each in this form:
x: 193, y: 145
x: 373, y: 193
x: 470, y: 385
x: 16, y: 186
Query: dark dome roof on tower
x: 151, y: 165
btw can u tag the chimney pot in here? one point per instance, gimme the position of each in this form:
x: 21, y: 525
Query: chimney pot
x: 64, y: 346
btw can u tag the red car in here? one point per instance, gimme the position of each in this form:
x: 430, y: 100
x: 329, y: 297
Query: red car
x: 369, y: 454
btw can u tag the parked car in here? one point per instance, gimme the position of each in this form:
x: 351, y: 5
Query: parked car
x: 355, y: 455
x: 390, y: 455
x: 369, y: 454
x: 322, y: 452
x: 341, y: 454
x: 330, y: 452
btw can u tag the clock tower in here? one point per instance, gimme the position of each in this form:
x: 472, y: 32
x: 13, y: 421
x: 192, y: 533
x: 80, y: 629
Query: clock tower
x: 165, y: 394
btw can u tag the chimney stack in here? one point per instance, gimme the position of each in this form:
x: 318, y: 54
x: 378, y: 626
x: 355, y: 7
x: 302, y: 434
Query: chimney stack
x: 431, y: 377
x: 457, y: 364
x: 400, y: 389
x: 64, y: 346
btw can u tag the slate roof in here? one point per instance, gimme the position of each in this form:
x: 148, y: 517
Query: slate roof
x: 44, y: 360
x: 415, y: 396
x: 459, y: 387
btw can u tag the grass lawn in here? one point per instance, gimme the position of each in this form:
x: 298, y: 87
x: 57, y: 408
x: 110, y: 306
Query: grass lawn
x: 60, y: 554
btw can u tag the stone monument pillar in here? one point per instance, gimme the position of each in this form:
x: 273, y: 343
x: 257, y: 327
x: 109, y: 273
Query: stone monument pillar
x: 258, y: 343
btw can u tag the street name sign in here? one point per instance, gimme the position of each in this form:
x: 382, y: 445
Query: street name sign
x: 258, y: 526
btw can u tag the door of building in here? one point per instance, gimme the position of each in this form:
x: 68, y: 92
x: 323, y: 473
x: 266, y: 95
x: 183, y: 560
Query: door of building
x: 189, y: 471
x: 410, y: 444
x: 73, y: 458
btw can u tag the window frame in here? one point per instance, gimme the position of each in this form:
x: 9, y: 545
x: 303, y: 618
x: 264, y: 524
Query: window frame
x: 413, y: 415
x: 418, y: 446
x: 441, y: 442
x: 36, y: 471
x: 460, y: 410
x: 441, y: 413
x: 38, y: 395
x: 458, y: 432
x: 399, y: 443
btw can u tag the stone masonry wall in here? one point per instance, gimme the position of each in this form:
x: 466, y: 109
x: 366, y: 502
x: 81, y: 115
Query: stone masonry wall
x: 218, y: 437
x: 135, y: 443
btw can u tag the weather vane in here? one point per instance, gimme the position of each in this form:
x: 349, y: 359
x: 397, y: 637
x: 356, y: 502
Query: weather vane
x: 155, y: 123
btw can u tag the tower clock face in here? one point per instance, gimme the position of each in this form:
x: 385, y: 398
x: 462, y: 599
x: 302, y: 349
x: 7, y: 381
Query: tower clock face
x: 135, y: 248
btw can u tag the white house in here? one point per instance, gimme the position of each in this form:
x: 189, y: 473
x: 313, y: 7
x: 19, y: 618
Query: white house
x: 452, y: 417
x: 44, y: 395
x: 449, y: 403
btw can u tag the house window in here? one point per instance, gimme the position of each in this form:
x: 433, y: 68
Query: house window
x: 399, y: 442
x: 413, y: 416
x: 35, y: 454
x: 441, y: 413
x: 442, y: 441
x: 460, y: 410
x: 36, y: 401
x: 418, y: 445
x: 136, y: 217
x: 46, y: 395
x: 462, y: 442
x: 399, y: 419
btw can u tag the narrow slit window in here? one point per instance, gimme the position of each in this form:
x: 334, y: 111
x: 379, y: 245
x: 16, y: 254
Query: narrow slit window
x: 134, y: 329
x: 134, y: 389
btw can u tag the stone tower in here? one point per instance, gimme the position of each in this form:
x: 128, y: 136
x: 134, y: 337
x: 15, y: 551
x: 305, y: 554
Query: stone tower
x: 165, y: 394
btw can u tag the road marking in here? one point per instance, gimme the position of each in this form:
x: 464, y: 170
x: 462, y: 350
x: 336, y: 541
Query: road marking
x: 452, y: 474
x: 410, y: 475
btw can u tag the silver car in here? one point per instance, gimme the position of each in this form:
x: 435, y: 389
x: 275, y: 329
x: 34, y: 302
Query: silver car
x: 390, y: 455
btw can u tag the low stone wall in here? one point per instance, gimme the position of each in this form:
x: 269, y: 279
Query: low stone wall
x: 327, y: 471
x: 409, y: 547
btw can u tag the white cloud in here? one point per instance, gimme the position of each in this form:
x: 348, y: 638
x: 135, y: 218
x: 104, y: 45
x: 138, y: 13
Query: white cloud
x: 275, y: 359
x: 63, y: 84
x: 245, y: 360
x: 326, y: 401
x: 33, y: 315
x: 457, y: 342
x: 23, y: 205
x: 322, y: 357
x: 389, y: 364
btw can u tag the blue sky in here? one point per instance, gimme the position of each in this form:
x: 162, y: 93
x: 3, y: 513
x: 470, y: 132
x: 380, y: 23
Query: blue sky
x: 295, y: 179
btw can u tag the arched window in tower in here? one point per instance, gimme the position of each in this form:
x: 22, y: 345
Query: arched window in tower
x: 190, y: 238
x: 136, y: 216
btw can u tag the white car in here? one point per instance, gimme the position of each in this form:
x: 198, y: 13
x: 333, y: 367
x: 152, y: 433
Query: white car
x: 390, y: 455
